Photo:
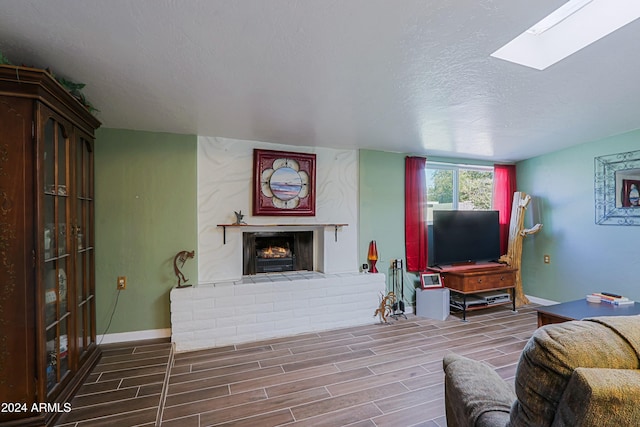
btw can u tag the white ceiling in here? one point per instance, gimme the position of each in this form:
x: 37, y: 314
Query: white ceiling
x: 410, y: 76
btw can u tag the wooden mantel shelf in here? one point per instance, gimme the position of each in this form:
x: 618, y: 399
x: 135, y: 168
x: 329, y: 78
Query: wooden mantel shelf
x: 317, y: 225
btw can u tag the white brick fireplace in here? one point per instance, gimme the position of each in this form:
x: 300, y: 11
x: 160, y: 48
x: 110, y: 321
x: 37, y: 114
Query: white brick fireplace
x: 271, y: 305
x: 226, y: 307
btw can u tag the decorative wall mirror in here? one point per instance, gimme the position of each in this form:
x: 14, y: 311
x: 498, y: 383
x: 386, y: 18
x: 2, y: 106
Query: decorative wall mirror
x: 617, y: 187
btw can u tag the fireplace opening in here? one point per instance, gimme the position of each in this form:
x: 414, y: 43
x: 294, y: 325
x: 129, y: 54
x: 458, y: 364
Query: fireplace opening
x: 274, y: 253
x: 269, y: 252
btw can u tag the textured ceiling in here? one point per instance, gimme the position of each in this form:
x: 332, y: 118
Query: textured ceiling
x: 409, y: 76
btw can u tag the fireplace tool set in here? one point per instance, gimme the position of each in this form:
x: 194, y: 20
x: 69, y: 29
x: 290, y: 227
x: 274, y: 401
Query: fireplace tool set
x: 397, y: 283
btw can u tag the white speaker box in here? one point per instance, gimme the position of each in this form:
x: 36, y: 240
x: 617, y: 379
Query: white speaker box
x: 432, y: 303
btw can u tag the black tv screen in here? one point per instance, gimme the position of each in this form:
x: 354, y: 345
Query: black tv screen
x: 465, y: 237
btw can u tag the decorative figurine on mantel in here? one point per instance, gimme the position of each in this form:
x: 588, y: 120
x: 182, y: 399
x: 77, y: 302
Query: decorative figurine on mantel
x: 239, y: 218
x: 181, y: 257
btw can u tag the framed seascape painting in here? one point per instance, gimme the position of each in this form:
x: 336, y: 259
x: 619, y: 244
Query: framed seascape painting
x: 284, y: 183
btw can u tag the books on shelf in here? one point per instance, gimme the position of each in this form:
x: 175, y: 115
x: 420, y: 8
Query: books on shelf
x: 612, y: 299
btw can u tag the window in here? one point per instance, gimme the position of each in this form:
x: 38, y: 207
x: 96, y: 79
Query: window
x: 458, y: 187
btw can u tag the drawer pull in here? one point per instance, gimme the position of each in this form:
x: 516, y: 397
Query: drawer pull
x: 479, y: 280
x: 502, y: 278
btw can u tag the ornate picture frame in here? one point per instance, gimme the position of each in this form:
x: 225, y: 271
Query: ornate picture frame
x: 284, y: 183
x: 611, y: 197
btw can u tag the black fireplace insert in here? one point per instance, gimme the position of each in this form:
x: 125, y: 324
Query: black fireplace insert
x: 269, y: 252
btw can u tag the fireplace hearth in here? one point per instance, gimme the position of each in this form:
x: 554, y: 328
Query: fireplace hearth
x: 270, y: 252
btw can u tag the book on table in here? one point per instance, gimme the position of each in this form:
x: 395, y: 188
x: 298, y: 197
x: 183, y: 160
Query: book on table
x: 613, y: 299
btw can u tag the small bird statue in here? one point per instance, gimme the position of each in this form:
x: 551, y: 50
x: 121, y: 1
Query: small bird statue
x: 239, y: 218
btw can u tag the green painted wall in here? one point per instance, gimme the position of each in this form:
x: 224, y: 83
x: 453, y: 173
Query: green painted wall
x: 146, y: 212
x: 585, y: 257
x: 381, y: 216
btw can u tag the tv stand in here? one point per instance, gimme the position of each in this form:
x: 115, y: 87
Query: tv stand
x: 468, y: 280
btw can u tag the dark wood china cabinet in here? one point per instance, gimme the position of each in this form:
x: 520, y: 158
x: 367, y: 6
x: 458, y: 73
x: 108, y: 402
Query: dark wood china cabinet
x: 47, y: 249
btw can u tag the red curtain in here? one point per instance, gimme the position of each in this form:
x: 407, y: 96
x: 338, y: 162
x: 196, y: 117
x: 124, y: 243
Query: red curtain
x: 415, y: 222
x: 504, y: 178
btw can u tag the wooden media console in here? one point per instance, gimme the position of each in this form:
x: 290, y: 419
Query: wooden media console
x: 466, y: 281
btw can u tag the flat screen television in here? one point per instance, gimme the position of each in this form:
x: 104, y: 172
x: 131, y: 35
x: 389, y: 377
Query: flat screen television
x: 465, y: 237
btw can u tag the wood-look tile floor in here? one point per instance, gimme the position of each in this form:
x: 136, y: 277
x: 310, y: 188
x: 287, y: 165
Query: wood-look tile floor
x: 375, y: 375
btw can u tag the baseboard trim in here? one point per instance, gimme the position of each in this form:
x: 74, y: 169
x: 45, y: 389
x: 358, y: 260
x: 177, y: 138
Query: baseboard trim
x: 541, y: 301
x: 134, y: 336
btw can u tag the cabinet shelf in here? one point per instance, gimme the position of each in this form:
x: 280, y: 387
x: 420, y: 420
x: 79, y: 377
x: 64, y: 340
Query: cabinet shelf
x: 88, y: 300
x: 57, y: 258
x: 48, y: 193
x: 63, y: 317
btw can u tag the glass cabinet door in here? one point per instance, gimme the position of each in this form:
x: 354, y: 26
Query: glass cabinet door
x: 56, y: 247
x: 85, y: 329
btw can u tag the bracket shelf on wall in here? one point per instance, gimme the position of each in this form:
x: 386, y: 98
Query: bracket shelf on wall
x: 335, y: 228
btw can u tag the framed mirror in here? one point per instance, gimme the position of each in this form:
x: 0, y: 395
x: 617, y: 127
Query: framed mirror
x: 617, y: 189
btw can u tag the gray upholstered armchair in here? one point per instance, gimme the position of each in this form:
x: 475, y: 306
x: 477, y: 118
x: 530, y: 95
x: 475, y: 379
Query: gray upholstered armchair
x: 580, y: 373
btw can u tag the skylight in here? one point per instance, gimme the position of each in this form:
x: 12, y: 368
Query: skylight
x: 573, y: 26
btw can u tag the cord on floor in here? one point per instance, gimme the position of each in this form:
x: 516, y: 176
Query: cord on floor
x: 115, y: 305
